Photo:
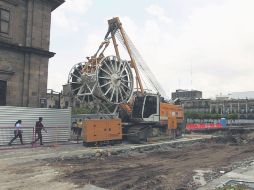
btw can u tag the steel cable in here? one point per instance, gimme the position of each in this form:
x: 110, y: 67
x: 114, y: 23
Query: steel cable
x: 141, y: 64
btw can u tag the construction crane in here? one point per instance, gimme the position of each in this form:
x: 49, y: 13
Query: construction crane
x: 107, y: 83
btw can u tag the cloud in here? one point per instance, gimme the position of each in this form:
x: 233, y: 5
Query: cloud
x: 93, y: 40
x: 210, y: 48
x: 69, y: 16
x: 77, y: 6
x: 212, y: 51
x: 158, y: 12
x: 218, y: 41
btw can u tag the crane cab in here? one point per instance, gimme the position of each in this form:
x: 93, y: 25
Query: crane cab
x: 151, y: 108
x: 146, y: 108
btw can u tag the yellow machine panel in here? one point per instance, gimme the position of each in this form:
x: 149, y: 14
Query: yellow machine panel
x: 174, y: 114
x: 172, y: 122
x: 167, y: 109
x: 97, y: 130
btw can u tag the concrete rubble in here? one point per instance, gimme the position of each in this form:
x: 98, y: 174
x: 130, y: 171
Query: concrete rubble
x: 242, y: 174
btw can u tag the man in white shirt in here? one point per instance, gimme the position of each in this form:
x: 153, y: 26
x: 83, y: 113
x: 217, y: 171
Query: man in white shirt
x: 17, y: 132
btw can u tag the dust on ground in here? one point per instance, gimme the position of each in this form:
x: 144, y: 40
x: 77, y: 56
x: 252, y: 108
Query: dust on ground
x: 175, y: 167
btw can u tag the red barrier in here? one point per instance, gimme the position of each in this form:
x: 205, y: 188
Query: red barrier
x: 195, y: 126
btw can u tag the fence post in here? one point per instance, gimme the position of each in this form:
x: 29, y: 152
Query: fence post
x: 33, y: 138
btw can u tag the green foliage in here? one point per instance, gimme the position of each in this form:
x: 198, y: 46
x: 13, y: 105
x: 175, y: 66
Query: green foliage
x: 232, y: 116
x: 208, y: 116
x: 217, y: 116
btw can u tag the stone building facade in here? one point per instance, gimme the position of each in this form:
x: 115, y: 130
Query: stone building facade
x: 24, y: 51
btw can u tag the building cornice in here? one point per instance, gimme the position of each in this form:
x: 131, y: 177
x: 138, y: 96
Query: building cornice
x: 13, y: 2
x: 32, y: 50
x: 7, y: 72
x: 5, y: 75
x: 56, y: 3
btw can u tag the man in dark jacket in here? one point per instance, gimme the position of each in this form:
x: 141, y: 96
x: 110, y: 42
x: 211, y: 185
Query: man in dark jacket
x: 38, y: 127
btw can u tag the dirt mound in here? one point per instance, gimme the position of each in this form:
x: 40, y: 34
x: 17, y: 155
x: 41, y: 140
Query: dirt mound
x: 233, y: 138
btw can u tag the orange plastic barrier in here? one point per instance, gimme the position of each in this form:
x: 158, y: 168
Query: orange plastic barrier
x: 195, y: 126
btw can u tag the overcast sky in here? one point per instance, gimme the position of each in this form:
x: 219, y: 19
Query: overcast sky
x: 206, y: 45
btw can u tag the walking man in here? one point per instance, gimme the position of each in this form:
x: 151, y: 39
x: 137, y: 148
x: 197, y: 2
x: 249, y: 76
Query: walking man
x: 17, y: 132
x: 38, y: 127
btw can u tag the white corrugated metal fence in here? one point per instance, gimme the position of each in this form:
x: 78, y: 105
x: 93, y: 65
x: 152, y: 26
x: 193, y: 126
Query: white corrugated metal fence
x: 56, y: 121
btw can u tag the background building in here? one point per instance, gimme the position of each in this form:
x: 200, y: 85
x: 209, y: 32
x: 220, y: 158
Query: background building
x: 59, y: 99
x: 196, y: 105
x: 186, y: 94
x: 242, y: 108
x: 242, y: 95
x: 24, y: 51
x: 62, y: 99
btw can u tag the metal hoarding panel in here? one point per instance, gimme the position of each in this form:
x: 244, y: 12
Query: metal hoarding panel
x: 56, y: 121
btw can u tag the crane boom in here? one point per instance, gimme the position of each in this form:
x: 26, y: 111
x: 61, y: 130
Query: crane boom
x: 145, y: 70
x: 116, y: 26
x: 138, y: 63
x: 140, y: 67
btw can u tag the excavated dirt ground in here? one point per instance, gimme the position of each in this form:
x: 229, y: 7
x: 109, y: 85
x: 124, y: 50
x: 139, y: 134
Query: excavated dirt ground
x: 170, y: 168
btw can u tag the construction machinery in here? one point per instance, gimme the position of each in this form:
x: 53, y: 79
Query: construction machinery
x: 111, y: 84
